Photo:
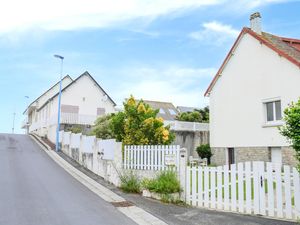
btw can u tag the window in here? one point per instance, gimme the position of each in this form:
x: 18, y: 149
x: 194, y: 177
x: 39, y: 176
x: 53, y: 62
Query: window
x: 172, y: 112
x: 100, y: 111
x: 273, y: 111
x: 161, y: 111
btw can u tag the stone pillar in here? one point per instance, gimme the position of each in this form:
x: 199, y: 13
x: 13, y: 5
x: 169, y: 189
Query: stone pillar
x: 182, y: 172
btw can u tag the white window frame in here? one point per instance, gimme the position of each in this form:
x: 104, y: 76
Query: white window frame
x: 275, y: 122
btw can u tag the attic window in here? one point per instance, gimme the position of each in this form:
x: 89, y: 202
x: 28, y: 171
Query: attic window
x: 83, y: 99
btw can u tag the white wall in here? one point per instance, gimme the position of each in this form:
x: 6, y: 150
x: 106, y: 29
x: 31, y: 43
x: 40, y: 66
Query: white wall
x: 53, y: 91
x: 254, y: 73
x: 86, y: 88
x: 73, y: 95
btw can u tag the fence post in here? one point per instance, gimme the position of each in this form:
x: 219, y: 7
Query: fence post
x: 80, y: 150
x: 182, y: 172
x: 95, y: 156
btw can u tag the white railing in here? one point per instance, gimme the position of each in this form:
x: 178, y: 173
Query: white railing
x: 151, y: 157
x: 251, y: 188
x: 66, y: 118
x: 73, y: 118
x: 177, y: 125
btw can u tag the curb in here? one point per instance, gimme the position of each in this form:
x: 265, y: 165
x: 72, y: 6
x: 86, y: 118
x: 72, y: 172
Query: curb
x: 135, y: 213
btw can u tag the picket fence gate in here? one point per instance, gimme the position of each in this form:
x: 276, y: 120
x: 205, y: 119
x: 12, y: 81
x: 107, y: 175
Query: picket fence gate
x: 151, y: 157
x: 251, y: 187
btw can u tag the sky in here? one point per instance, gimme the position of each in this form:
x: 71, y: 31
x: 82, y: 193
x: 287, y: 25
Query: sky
x: 164, y: 50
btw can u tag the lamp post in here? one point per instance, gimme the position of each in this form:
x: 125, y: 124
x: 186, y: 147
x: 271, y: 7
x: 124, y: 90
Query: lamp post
x: 27, y: 119
x: 59, y: 100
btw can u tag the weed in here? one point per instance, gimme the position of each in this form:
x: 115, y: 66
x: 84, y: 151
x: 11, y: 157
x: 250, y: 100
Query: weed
x: 130, y: 183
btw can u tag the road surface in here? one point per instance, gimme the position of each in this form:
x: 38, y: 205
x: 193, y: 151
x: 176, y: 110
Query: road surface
x: 34, y: 190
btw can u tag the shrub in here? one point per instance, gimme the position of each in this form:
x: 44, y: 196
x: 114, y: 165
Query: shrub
x: 138, y: 125
x: 75, y: 129
x: 130, y: 183
x: 102, y: 127
x: 291, y: 129
x: 204, y: 151
x: 165, y: 183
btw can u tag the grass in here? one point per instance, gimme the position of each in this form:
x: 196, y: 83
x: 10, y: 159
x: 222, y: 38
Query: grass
x: 130, y: 183
x: 165, y: 183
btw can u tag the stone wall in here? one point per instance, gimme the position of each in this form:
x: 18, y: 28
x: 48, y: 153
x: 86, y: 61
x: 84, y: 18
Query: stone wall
x: 244, y: 154
x: 191, y: 140
x: 288, y: 154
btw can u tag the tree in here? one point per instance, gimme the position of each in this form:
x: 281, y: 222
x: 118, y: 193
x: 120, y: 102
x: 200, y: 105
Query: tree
x: 291, y: 129
x: 138, y: 125
x: 204, y: 114
x: 102, y: 128
x: 190, y: 116
x: 198, y: 115
x: 204, y: 151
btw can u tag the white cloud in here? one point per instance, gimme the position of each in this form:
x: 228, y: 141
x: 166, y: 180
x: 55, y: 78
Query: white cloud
x: 70, y: 14
x: 215, y: 33
x: 179, y: 85
x: 246, y: 4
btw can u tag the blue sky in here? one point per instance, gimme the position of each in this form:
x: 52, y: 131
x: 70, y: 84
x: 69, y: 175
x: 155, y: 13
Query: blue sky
x: 165, y: 50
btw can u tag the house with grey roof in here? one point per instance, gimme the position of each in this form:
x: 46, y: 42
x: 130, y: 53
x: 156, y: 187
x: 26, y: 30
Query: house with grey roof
x: 82, y: 101
x: 166, y: 109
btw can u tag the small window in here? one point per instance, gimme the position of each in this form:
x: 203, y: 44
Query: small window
x: 162, y: 111
x: 273, y: 111
x: 172, y: 112
x: 100, y: 111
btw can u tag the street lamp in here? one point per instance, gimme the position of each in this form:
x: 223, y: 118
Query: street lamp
x: 59, y: 100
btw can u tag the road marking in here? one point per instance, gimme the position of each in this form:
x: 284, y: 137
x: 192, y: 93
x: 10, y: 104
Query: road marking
x: 135, y: 213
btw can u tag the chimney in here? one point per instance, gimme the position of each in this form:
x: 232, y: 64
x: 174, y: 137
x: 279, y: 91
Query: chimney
x: 255, y: 22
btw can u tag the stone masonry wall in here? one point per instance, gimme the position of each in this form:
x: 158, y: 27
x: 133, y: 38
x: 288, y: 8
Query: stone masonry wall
x: 243, y: 154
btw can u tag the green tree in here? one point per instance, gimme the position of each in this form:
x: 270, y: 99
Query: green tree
x: 138, y: 125
x: 291, y: 129
x: 204, y: 151
x: 198, y: 115
x: 102, y: 128
x: 190, y: 116
x: 204, y: 114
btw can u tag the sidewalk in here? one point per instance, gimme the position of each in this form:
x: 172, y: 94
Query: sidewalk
x: 180, y: 215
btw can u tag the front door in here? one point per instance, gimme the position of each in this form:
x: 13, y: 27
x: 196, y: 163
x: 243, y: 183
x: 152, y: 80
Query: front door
x: 231, y: 157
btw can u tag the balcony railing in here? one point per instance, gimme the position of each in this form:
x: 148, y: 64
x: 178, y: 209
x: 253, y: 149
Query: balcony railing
x: 73, y: 118
x: 66, y: 118
x: 186, y: 126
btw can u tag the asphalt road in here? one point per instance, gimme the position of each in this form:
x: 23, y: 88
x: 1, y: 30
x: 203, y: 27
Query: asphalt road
x: 34, y: 190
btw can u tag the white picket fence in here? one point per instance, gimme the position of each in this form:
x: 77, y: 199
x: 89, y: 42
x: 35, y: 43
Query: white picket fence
x: 251, y: 188
x: 151, y: 157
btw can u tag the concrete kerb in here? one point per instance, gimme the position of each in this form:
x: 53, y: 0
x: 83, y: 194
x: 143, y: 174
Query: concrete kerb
x: 135, y: 213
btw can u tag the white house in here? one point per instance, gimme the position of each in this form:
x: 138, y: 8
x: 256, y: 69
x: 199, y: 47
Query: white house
x: 82, y: 101
x: 259, y: 77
